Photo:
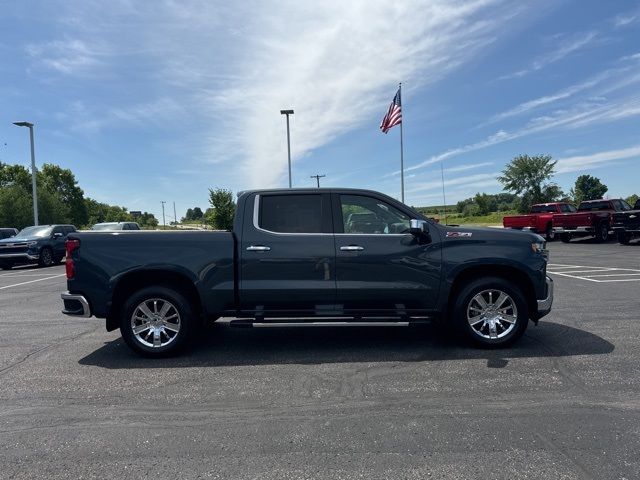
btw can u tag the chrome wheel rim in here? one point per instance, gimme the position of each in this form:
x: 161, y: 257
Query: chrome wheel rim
x: 46, y: 257
x: 155, y: 322
x: 492, y: 314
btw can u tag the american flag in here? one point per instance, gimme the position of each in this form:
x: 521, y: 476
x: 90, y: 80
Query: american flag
x: 394, y: 114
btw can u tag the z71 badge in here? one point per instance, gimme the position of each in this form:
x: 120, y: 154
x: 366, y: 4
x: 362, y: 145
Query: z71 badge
x: 458, y: 234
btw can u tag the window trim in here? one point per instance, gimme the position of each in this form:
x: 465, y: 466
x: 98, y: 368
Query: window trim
x: 338, y: 220
x: 256, y: 216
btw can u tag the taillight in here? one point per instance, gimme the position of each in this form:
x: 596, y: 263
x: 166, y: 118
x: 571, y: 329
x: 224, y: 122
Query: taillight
x: 71, y: 246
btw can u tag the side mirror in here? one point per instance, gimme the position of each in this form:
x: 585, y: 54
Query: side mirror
x: 419, y: 229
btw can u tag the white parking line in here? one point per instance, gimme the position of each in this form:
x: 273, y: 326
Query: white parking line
x: 32, y: 281
x: 29, y: 275
x: 25, y: 273
x: 596, y: 274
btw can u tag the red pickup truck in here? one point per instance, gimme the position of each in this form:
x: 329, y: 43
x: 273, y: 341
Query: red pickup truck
x: 593, y: 219
x: 540, y: 218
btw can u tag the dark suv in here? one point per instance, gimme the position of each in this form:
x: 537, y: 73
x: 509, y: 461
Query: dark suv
x: 8, y: 232
x: 42, y: 244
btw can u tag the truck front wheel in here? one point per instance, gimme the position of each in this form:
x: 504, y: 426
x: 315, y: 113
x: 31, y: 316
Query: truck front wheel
x: 157, y: 321
x: 624, y: 238
x: 491, y: 312
x: 550, y: 234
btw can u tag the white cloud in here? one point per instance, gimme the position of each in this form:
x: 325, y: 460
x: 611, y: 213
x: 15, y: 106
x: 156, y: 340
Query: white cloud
x: 480, y: 180
x: 338, y: 69
x: 565, y: 47
x: 595, y: 160
x: 624, y: 20
x: 69, y: 56
x: 582, y: 115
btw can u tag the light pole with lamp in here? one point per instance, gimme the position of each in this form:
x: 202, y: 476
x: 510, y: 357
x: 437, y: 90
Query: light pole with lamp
x: 33, y: 170
x: 287, y: 113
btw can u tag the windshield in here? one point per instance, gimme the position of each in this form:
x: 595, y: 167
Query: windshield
x: 543, y: 209
x: 593, y: 206
x: 40, y: 232
x: 106, y: 226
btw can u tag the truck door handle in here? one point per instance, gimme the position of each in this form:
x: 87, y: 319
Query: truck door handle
x: 258, y: 248
x: 351, y: 248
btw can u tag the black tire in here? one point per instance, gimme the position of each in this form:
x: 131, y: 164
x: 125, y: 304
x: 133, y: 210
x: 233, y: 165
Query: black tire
x: 565, y: 237
x: 602, y: 233
x: 46, y: 257
x: 465, y: 301
x: 550, y: 234
x: 6, y: 265
x: 187, y: 321
x: 58, y: 259
x: 624, y: 238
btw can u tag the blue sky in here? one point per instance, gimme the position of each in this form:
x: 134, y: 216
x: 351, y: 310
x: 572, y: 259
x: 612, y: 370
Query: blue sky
x: 160, y: 100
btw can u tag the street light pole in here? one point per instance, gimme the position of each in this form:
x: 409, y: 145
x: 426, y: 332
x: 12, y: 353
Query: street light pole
x: 164, y: 224
x: 175, y: 217
x: 287, y: 113
x: 33, y: 169
x: 317, y: 177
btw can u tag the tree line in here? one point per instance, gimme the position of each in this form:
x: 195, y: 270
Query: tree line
x: 60, y: 200
x: 529, y: 181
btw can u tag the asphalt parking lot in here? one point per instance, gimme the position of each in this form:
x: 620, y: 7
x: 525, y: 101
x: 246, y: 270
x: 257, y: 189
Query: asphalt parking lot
x: 329, y: 403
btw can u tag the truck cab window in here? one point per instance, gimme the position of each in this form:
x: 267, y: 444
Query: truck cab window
x: 291, y: 213
x: 362, y: 214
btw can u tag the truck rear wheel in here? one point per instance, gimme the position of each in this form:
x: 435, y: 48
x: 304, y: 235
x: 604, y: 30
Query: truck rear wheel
x: 602, y: 233
x: 490, y: 312
x: 565, y: 237
x: 157, y: 321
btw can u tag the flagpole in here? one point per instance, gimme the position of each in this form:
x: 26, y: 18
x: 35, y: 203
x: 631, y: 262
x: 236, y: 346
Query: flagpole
x: 401, y: 149
x: 444, y: 197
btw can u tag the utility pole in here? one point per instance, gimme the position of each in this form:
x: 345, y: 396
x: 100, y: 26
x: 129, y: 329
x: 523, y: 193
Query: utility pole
x: 33, y: 170
x: 175, y: 217
x: 317, y: 177
x: 287, y: 113
x: 164, y: 224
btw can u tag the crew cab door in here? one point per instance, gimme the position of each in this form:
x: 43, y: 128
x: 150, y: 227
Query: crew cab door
x: 287, y: 254
x: 58, y: 237
x: 381, y: 268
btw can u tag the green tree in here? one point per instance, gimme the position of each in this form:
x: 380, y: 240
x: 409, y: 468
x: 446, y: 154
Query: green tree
x: 223, y: 209
x: 530, y: 178
x: 15, y: 207
x: 61, y: 183
x: 486, y: 203
x: 588, y: 188
x: 632, y: 199
x: 197, y: 213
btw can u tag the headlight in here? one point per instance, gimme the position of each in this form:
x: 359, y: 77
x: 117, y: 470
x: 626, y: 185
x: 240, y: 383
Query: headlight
x: 537, y: 247
x: 540, y: 249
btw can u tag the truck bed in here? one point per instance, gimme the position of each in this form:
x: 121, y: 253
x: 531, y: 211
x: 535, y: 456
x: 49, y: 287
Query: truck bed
x: 104, y: 258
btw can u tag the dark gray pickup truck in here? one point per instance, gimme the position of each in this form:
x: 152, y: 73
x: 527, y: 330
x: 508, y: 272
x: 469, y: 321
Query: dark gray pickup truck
x: 321, y: 257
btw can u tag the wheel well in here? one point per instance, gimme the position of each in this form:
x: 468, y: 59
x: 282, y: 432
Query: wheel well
x: 508, y: 273
x: 135, y: 281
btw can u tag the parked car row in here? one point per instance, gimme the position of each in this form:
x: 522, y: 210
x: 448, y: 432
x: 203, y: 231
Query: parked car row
x: 43, y: 244
x: 592, y: 218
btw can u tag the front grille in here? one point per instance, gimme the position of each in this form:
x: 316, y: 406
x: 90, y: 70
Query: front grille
x: 13, y: 248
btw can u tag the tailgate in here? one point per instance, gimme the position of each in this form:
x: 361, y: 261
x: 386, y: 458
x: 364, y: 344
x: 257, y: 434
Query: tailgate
x: 573, y: 220
x: 519, y: 221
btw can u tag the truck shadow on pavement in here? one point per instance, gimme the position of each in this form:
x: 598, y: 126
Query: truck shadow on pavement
x: 220, y: 345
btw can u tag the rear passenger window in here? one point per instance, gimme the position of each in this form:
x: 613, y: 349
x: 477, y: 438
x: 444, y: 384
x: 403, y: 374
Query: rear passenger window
x: 291, y: 213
